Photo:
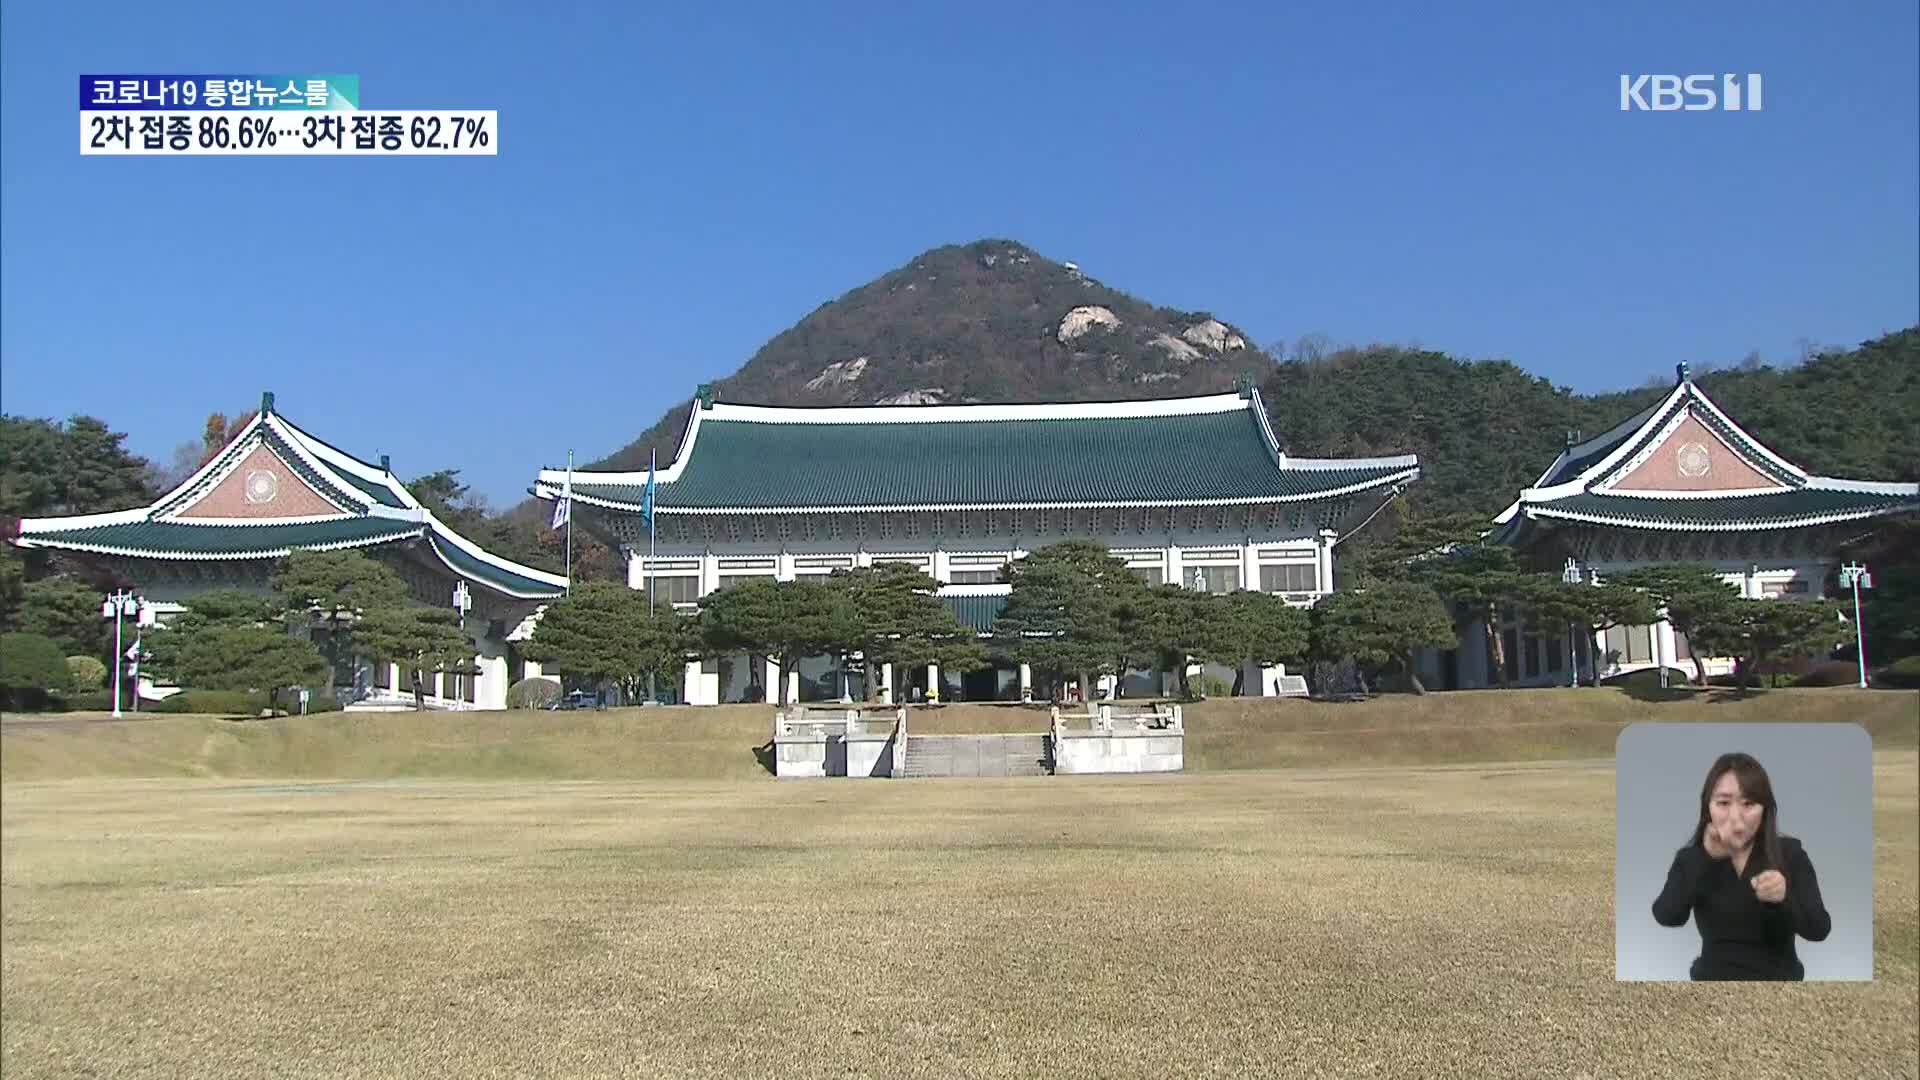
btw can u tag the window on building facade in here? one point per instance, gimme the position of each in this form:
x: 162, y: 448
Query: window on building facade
x: 469, y: 688
x: 1290, y: 577
x: 1533, y: 657
x: 1510, y: 645
x: 676, y: 589
x: 1557, y: 654
x: 1152, y: 575
x: 382, y: 676
x: 1213, y: 579
x: 727, y: 581
x: 1633, y: 644
x: 973, y: 577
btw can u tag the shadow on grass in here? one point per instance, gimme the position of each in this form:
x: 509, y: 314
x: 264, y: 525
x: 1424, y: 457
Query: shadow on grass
x: 1654, y: 692
x: 1645, y: 685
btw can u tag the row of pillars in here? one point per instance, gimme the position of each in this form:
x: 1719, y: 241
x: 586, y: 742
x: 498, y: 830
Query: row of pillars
x: 888, y: 684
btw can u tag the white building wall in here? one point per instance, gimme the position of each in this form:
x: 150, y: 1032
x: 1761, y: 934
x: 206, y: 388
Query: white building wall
x: 1306, y: 545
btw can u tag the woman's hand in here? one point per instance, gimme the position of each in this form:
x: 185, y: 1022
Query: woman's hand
x: 1716, y: 847
x: 1770, y: 886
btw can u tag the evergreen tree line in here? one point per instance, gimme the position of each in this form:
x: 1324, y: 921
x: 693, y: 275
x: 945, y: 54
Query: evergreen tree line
x: 1075, y: 613
x: 1483, y: 430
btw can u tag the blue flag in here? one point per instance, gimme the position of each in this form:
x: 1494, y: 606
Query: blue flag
x: 646, y: 501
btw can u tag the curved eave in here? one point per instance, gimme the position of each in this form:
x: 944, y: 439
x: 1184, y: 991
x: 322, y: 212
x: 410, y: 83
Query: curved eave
x: 502, y: 576
x: 1627, y: 521
x: 1407, y: 474
x: 269, y: 552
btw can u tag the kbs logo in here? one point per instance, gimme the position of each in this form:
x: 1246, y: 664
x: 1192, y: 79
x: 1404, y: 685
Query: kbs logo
x: 1692, y: 93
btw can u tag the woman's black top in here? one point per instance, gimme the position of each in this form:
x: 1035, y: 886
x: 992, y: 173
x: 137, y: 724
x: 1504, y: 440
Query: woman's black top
x: 1742, y: 936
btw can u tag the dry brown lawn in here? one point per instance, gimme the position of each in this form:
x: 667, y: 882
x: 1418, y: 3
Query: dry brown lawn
x: 1441, y: 921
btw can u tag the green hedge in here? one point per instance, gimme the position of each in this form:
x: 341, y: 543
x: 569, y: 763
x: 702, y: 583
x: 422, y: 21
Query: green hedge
x: 1831, y: 673
x: 1649, y: 679
x: 229, y: 702
x: 242, y: 703
x: 1903, y: 673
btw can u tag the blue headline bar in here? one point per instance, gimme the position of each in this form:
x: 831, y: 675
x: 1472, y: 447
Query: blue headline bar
x: 176, y: 92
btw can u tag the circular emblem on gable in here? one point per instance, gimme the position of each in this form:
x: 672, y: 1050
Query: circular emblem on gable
x: 1694, y: 460
x: 262, y: 486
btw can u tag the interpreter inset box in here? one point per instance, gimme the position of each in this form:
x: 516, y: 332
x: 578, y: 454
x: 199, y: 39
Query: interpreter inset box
x: 1743, y: 852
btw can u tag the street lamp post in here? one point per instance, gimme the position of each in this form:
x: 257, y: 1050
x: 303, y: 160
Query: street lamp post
x: 462, y: 603
x: 340, y: 623
x: 1856, y: 577
x: 119, y: 604
x: 1571, y: 575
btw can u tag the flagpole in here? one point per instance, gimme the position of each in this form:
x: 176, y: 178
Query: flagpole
x: 652, y: 461
x: 569, y: 499
x: 653, y: 692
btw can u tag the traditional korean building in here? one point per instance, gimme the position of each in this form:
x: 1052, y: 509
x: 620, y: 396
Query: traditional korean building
x: 275, y: 489
x: 1678, y: 482
x: 1191, y: 490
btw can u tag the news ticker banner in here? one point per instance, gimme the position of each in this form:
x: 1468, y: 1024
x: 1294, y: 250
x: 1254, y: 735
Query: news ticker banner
x: 266, y: 114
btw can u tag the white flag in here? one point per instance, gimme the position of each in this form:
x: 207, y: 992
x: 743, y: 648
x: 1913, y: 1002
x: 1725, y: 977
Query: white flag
x: 133, y: 654
x: 564, y: 507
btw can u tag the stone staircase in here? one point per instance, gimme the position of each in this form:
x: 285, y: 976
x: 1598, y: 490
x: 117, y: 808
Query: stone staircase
x: 977, y: 755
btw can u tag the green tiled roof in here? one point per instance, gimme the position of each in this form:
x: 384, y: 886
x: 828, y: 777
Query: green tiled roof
x: 1575, y: 466
x: 205, y: 541
x: 379, y: 492
x: 978, y: 612
x: 1216, y: 456
x: 1771, y: 510
x: 374, y: 489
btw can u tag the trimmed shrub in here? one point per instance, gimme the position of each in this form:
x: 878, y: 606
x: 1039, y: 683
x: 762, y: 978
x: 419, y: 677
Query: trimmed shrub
x: 85, y: 673
x: 318, y: 703
x: 98, y: 701
x: 535, y: 693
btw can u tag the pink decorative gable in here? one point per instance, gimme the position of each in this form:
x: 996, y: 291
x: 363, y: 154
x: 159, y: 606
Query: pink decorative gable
x: 262, y: 487
x: 1693, y: 458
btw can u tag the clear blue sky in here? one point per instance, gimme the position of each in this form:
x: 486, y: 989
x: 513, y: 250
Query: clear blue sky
x: 673, y: 189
